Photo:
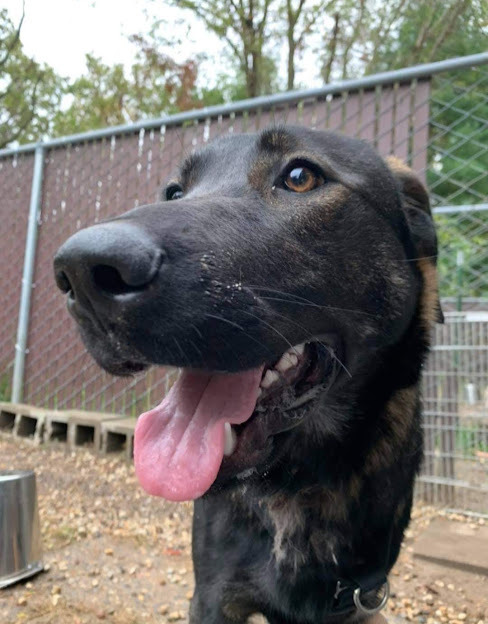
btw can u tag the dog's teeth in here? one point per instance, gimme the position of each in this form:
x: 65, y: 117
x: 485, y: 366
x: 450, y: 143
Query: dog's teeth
x: 269, y: 379
x: 287, y: 361
x: 298, y: 349
x: 230, y: 440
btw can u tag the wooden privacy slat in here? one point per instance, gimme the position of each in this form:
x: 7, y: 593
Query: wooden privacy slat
x: 15, y: 183
x: 401, y: 122
x: 334, y: 114
x: 419, y: 120
x: 351, y: 121
x: 385, y: 123
x: 309, y: 114
x: 367, y: 104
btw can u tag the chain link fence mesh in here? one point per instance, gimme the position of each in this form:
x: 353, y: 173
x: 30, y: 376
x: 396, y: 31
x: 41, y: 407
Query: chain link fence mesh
x: 15, y: 184
x: 438, y: 126
x: 456, y: 415
x: 455, y: 471
x: 458, y: 181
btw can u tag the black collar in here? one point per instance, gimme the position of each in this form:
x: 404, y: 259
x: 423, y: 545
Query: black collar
x: 362, y: 594
x: 368, y: 592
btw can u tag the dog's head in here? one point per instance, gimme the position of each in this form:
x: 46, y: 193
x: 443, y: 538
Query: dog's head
x: 275, y: 268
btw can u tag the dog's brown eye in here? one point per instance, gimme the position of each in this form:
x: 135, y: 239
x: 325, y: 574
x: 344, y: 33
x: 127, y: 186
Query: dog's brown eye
x: 174, y: 191
x: 302, y: 179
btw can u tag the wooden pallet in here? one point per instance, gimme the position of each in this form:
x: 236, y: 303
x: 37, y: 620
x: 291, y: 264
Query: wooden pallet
x: 118, y: 435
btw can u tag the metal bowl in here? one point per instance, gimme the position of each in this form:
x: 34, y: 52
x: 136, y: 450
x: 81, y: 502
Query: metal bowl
x: 20, y: 538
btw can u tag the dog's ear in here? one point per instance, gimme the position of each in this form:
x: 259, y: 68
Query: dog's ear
x: 416, y: 205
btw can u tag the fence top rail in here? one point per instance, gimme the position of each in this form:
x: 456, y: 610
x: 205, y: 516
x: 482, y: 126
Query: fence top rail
x: 390, y: 77
x: 460, y: 208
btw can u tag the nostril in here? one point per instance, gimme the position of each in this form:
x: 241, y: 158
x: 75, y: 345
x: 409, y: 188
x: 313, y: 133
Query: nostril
x: 110, y: 281
x: 63, y: 282
x: 107, y: 260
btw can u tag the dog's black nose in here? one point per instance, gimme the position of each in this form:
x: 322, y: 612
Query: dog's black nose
x: 106, y: 261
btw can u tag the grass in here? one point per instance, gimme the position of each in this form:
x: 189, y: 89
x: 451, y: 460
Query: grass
x: 64, y: 534
x: 5, y: 388
x: 471, y: 439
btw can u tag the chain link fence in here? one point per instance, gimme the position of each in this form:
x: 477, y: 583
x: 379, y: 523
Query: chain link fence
x: 434, y: 117
x: 16, y: 180
x: 455, y: 472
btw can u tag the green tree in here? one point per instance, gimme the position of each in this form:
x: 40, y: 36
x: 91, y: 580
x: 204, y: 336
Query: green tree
x: 245, y: 28
x: 254, y: 31
x: 96, y: 99
x: 369, y: 36
x: 155, y: 85
x: 30, y: 92
x: 301, y: 19
x: 422, y: 31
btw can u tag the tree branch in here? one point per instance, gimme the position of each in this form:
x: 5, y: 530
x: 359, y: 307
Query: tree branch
x: 262, y: 23
x: 332, y: 49
x: 449, y: 25
x: 383, y: 31
x: 23, y: 124
x: 352, y: 38
x: 15, y: 39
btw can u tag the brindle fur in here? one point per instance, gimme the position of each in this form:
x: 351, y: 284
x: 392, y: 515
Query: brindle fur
x: 355, y: 257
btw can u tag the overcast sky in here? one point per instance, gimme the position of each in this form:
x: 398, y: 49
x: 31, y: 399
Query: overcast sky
x: 61, y: 32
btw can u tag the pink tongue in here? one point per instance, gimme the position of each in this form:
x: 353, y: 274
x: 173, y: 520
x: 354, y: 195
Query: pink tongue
x: 179, y: 445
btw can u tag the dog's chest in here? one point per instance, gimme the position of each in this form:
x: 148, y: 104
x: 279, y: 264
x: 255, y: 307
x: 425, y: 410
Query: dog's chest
x: 297, y: 562
x: 302, y: 532
x: 302, y: 536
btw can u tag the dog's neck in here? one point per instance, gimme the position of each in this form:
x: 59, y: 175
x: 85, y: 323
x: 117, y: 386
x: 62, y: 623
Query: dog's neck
x: 307, y: 504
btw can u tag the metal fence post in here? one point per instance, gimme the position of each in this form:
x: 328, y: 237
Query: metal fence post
x: 27, y: 276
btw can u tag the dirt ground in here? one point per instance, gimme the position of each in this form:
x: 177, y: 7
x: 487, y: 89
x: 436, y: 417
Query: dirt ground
x: 114, y: 554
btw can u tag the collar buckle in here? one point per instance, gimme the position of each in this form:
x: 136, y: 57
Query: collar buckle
x: 339, y: 589
x: 370, y: 611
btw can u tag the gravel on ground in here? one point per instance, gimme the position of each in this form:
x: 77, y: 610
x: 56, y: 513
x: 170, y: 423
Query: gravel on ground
x: 114, y: 554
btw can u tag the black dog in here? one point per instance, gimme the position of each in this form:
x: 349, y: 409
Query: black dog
x: 292, y: 275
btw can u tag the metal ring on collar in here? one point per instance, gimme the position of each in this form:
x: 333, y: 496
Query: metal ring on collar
x: 359, y: 605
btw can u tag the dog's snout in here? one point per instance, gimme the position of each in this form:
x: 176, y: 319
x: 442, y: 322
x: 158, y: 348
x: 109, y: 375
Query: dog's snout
x: 107, y: 260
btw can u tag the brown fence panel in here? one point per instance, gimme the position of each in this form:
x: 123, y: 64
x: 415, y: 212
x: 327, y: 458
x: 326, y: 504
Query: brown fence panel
x: 15, y: 184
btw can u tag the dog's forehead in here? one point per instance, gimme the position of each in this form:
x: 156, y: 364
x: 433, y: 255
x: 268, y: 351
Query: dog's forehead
x: 234, y: 156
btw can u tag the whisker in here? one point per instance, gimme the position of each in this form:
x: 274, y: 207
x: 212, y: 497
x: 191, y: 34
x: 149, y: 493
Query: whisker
x: 268, y: 325
x: 224, y: 320
x: 193, y: 343
x: 281, y: 292
x: 314, y: 305
x: 195, y: 347
x: 341, y: 364
x: 181, y: 350
x: 305, y: 301
x: 289, y: 320
x: 420, y: 258
x: 311, y: 336
x: 197, y: 331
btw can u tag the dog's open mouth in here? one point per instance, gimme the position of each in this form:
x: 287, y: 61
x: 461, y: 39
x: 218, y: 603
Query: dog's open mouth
x: 213, y: 425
